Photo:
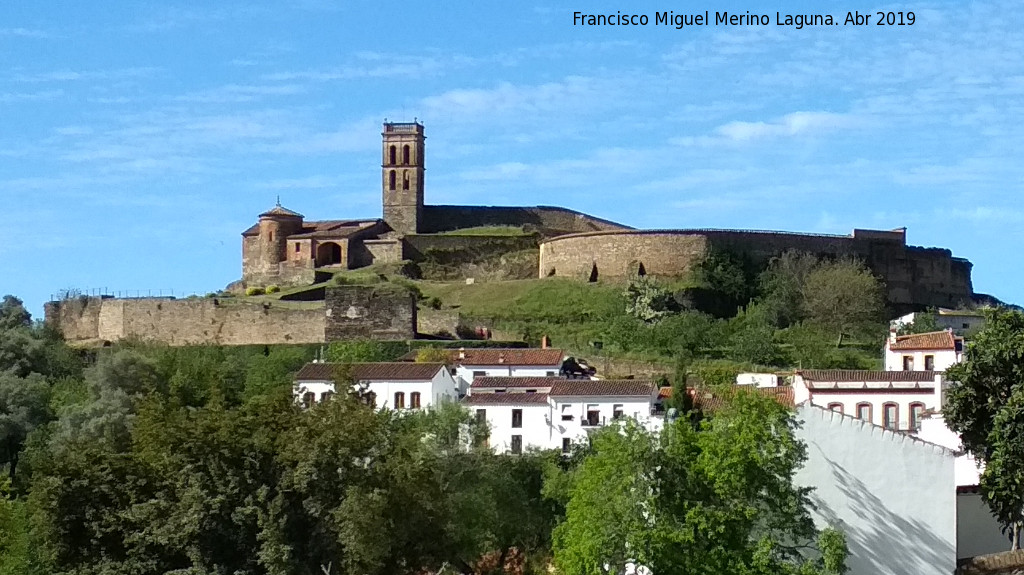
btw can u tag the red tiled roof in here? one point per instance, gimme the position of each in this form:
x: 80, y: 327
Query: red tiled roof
x: 866, y: 375
x: 930, y: 340
x: 508, y: 382
x: 710, y: 401
x: 395, y: 371
x: 516, y: 398
x: 608, y: 387
x: 502, y: 356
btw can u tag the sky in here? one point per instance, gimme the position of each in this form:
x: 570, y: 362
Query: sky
x: 139, y: 140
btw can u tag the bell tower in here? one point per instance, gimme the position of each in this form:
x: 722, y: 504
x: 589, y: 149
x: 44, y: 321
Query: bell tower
x: 402, y: 175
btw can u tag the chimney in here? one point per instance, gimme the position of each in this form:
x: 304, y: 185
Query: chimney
x: 544, y: 342
x: 462, y: 353
x: 892, y: 335
x: 501, y: 357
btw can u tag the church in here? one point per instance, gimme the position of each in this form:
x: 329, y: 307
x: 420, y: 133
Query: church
x: 284, y: 248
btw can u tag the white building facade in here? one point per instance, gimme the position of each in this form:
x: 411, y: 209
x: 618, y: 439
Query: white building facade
x: 469, y: 364
x: 392, y: 385
x: 893, y: 495
x: 895, y: 400
x: 554, y: 413
x: 934, y: 351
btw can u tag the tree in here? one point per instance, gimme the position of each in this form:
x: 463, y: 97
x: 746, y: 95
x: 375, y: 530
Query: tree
x: 985, y: 406
x: 718, y: 498
x: 923, y: 323
x: 844, y: 298
x: 24, y: 405
x: 646, y: 300
x: 782, y: 284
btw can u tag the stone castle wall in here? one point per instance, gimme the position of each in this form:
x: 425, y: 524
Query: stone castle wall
x: 915, y: 277
x: 351, y: 312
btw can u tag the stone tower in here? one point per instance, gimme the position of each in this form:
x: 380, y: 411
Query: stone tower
x: 276, y: 224
x: 402, y: 175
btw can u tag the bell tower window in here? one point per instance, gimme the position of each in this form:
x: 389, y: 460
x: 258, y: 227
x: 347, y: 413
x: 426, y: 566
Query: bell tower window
x: 405, y: 155
x: 405, y: 179
x: 391, y: 155
x: 391, y: 180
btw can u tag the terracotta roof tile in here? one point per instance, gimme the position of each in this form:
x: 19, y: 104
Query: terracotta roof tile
x: 931, y: 340
x: 322, y: 228
x: 517, y: 382
x: 505, y: 399
x: 502, y: 356
x: 830, y: 375
x: 607, y: 387
x: 395, y: 371
x: 710, y: 401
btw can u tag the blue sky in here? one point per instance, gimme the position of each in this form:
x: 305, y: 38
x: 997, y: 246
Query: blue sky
x: 140, y: 139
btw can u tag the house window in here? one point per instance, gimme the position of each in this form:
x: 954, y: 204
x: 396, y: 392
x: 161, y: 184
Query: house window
x: 399, y: 400
x: 836, y: 407
x: 929, y: 363
x: 864, y: 411
x: 414, y: 400
x: 567, y: 412
x: 566, y: 445
x: 298, y: 248
x: 550, y: 374
x: 481, y: 416
x: 308, y: 399
x: 890, y: 416
x: 517, y: 444
x: 916, y: 411
x: 477, y: 374
x: 966, y: 325
x: 326, y: 395
x: 908, y: 363
x: 593, y: 416
x: 517, y: 418
x: 531, y: 391
x: 617, y: 411
x: 370, y: 399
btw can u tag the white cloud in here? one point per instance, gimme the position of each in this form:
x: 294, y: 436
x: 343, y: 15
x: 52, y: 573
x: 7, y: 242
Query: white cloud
x: 794, y: 124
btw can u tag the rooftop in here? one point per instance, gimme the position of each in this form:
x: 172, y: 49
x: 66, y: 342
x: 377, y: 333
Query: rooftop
x: 867, y: 376
x: 514, y: 382
x: 322, y: 228
x: 604, y: 387
x: 517, y: 398
x: 502, y: 356
x: 394, y: 371
x: 279, y: 210
x: 932, y: 340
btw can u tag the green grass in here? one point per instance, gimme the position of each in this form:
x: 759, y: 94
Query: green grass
x: 488, y: 231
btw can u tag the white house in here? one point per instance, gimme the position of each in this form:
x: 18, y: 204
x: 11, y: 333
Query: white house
x: 933, y: 351
x: 960, y: 321
x: 469, y: 364
x: 394, y: 385
x: 552, y: 413
x: 895, y: 400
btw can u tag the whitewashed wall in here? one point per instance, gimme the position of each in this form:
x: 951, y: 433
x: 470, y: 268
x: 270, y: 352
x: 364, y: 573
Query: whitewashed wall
x: 442, y: 387
x: 535, y: 431
x: 464, y: 373
x: 877, y: 400
x: 893, y: 495
x: 944, y: 359
x: 577, y: 407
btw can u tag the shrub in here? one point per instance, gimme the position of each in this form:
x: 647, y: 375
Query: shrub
x: 273, y: 289
x: 434, y: 303
x: 254, y: 291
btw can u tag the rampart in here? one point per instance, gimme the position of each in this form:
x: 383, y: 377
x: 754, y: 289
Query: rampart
x: 915, y: 277
x: 548, y: 220
x: 349, y: 312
